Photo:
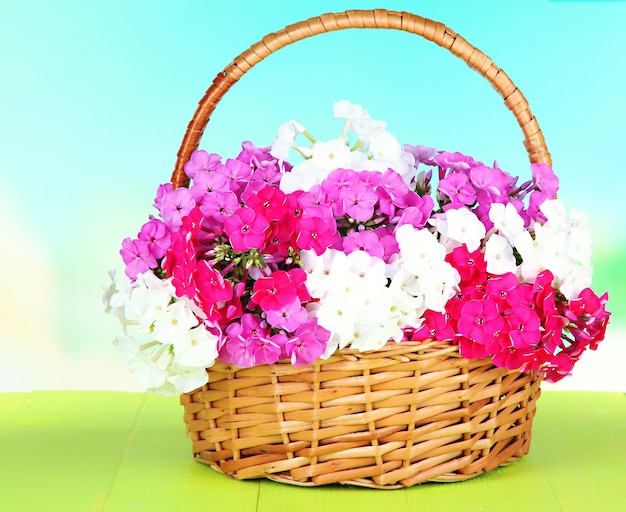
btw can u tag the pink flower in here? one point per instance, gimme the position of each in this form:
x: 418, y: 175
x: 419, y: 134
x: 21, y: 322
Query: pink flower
x: 201, y: 162
x: 157, y: 236
x: 454, y: 161
x: 137, y: 256
x: 436, y: 326
x: 246, y: 229
x: 458, y: 188
x: 219, y: 205
x: 288, y: 317
x: 365, y: 240
x: 544, y: 178
x: 175, y: 205
x: 263, y: 350
x: 358, y: 201
x: 308, y: 344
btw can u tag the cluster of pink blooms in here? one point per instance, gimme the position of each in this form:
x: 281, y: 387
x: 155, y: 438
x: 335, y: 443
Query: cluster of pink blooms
x: 240, y: 251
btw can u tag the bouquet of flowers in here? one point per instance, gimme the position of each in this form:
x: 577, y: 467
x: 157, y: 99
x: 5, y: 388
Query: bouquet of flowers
x: 364, y: 242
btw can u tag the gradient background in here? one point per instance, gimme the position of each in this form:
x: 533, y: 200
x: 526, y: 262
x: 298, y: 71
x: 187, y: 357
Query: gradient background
x: 95, y: 98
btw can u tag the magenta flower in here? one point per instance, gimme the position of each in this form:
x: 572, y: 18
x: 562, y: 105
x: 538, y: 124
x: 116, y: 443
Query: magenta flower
x: 491, y: 180
x: 454, y: 161
x: 288, y: 317
x: 246, y: 229
x: 211, y: 287
x: 471, y: 265
x: 524, y: 326
x: 236, y: 172
x: 507, y: 291
x: 308, y: 344
x: 480, y: 321
x: 275, y: 291
x: 314, y: 233
x: 269, y: 202
x: 263, y: 350
x: 544, y: 178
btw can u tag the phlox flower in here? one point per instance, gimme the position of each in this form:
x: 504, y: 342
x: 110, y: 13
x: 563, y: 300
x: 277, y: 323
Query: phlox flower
x: 366, y: 241
x: 421, y: 154
x: 196, y: 347
x: 454, y: 161
x: 157, y: 236
x: 308, y: 344
x: 506, y: 220
x: 458, y: 188
x: 219, y: 205
x: 359, y: 201
x: 314, y: 233
x: 288, y: 317
x: 499, y: 255
x: 279, y: 289
x: 246, y: 229
x: 285, y: 139
x: 264, y: 350
x: 480, y: 321
x: 137, y: 257
x: 200, y: 163
x: 176, y: 205
x: 460, y: 226
x: 544, y: 178
x: 324, y: 271
x: 173, y: 322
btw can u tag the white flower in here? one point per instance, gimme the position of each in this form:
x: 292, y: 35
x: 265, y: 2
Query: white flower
x: 506, y: 220
x: 419, y: 249
x: 173, y: 323
x: 195, y: 347
x: 460, y: 226
x: 187, y: 379
x: 285, y: 139
x: 499, y: 255
x: 353, y: 114
x: 324, y: 272
x: 424, y: 273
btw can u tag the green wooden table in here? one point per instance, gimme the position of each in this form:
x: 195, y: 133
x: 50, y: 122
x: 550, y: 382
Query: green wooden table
x: 105, y: 451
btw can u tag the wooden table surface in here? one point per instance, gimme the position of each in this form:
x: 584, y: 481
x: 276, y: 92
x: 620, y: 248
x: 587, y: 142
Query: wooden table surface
x: 110, y: 451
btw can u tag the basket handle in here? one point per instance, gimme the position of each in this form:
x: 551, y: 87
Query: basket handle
x: 377, y: 18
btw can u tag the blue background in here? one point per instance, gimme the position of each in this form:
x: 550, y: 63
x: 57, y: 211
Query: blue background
x: 95, y: 98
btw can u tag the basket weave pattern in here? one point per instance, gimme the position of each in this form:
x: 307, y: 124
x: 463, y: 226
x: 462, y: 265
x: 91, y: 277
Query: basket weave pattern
x: 409, y: 413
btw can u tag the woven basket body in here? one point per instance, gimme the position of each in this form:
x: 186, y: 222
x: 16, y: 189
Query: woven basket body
x: 409, y: 413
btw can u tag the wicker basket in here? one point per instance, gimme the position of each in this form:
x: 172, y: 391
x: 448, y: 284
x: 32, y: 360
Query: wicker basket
x: 409, y: 413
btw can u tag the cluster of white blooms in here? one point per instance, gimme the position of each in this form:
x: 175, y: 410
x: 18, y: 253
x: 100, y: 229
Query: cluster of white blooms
x: 166, y: 347
x: 375, y: 150
x: 562, y: 245
x: 364, y: 302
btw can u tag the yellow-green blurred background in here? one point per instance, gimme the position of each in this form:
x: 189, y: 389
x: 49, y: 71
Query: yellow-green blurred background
x: 95, y: 98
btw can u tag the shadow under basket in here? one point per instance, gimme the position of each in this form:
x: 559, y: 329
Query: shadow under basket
x: 409, y: 413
